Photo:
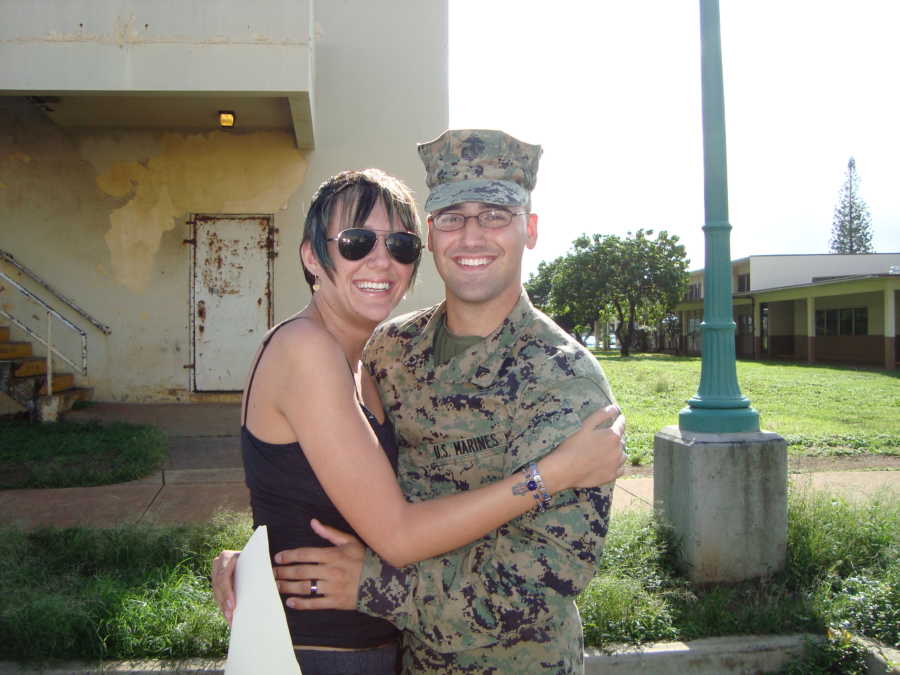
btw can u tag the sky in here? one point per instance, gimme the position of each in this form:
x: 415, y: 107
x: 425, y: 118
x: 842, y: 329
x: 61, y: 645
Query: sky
x: 611, y: 90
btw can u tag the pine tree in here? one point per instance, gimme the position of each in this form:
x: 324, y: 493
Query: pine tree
x: 851, y: 229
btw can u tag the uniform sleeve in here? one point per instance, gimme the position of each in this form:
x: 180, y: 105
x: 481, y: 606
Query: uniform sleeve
x: 374, y: 349
x: 506, y: 586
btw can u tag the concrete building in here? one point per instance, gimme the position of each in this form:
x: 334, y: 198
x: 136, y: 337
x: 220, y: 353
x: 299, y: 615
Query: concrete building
x: 821, y: 307
x: 122, y: 190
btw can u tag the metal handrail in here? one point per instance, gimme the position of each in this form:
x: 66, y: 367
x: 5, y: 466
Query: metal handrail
x: 8, y: 257
x: 48, y: 343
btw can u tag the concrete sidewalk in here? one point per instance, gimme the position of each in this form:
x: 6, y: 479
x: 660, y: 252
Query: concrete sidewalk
x: 203, y: 475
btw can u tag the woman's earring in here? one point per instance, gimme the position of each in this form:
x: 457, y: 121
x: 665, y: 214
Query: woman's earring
x: 315, y: 284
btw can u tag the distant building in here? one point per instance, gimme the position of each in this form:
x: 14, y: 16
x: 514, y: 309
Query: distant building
x: 819, y: 307
x: 173, y: 226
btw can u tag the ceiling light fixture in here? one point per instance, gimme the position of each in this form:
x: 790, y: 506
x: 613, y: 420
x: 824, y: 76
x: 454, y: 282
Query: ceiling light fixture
x: 227, y: 119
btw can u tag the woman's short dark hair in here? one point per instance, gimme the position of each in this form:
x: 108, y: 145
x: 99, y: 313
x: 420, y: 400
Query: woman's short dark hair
x: 357, y: 192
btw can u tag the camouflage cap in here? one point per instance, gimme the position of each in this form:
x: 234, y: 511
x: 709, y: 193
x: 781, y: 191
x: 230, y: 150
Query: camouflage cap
x: 478, y: 165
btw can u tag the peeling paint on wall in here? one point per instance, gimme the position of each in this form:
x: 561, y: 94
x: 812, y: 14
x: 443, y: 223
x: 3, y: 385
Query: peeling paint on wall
x: 219, y: 172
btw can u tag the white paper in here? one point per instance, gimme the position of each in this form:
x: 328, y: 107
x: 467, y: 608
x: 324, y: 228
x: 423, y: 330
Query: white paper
x: 260, y: 641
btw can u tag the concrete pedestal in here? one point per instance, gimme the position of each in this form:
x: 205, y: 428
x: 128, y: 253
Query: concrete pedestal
x: 725, y: 495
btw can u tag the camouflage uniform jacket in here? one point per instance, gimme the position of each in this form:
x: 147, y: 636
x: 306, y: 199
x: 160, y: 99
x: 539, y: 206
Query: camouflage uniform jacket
x: 505, y: 603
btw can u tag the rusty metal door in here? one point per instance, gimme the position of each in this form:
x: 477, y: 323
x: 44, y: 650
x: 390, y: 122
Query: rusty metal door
x: 231, y: 297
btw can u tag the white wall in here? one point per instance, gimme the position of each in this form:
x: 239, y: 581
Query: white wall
x: 101, y: 213
x: 116, y: 46
x: 774, y: 271
x: 381, y: 86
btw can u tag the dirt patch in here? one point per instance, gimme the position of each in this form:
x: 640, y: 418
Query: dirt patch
x: 805, y: 464
x: 808, y: 464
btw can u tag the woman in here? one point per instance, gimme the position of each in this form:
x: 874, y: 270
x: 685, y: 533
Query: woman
x: 316, y: 442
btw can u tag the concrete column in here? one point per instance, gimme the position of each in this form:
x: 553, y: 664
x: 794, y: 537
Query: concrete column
x: 757, y: 331
x: 811, y: 329
x: 725, y: 496
x: 890, y: 328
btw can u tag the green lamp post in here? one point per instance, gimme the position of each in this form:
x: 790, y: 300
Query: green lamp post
x: 718, y: 406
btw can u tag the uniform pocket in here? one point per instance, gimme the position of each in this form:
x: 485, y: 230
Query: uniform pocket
x: 457, y: 466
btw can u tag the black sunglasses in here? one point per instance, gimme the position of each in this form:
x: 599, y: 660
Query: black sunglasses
x: 356, y: 243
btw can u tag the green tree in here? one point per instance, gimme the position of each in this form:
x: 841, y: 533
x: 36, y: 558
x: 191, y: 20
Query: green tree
x: 577, y: 290
x: 851, y: 228
x: 637, y: 280
x: 648, y: 277
x: 540, y: 286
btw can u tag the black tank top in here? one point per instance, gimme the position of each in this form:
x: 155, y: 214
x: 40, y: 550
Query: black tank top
x: 284, y: 495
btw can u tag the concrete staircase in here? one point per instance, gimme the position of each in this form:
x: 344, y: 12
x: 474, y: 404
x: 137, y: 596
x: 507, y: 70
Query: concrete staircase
x: 23, y: 377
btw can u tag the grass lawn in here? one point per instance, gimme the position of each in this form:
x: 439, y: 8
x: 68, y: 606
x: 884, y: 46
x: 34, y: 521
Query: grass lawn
x: 143, y: 592
x: 819, y: 409
x: 842, y: 572
x: 132, y: 591
x: 70, y: 454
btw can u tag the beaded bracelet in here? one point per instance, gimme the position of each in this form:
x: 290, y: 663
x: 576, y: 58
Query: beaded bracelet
x: 535, y: 485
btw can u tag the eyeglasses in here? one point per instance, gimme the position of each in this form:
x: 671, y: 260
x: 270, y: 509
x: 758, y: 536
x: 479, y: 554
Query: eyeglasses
x: 490, y: 219
x: 356, y: 243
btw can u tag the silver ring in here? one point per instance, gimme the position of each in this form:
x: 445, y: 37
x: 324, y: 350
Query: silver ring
x: 314, y: 587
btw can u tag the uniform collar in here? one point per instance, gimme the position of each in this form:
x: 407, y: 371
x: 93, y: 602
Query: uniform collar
x: 482, y: 363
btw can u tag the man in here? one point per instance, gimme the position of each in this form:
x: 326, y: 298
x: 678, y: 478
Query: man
x: 478, y: 388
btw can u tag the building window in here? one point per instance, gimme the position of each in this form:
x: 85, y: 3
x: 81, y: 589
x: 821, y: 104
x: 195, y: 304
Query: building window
x: 693, y: 292
x: 852, y: 321
x: 743, y: 283
x: 745, y: 324
x: 861, y: 321
x: 845, y: 322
